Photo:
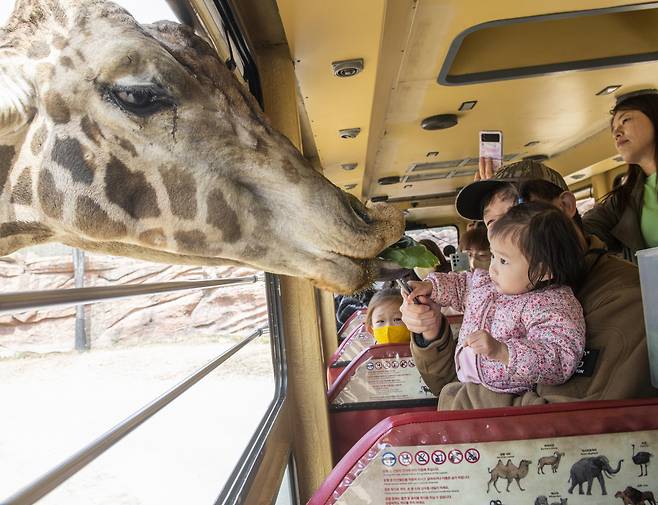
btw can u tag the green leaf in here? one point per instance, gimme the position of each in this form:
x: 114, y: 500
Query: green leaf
x: 409, y: 254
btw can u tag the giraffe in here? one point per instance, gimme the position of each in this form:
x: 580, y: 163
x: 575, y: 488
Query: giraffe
x: 137, y: 141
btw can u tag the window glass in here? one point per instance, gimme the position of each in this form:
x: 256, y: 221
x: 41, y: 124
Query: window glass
x: 585, y: 204
x: 287, y: 494
x: 56, y: 400
x: 442, y: 235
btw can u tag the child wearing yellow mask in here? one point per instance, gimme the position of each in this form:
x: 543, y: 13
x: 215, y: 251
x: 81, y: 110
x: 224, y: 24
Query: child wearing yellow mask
x: 384, y: 319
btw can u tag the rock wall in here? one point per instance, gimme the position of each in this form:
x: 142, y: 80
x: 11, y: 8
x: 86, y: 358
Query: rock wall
x: 183, y: 316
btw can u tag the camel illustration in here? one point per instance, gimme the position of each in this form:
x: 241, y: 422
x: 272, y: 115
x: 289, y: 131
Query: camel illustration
x: 642, y: 459
x: 554, y: 461
x: 138, y: 141
x: 508, y: 471
x: 632, y: 496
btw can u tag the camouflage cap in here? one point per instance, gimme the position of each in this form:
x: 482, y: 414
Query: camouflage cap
x: 469, y: 199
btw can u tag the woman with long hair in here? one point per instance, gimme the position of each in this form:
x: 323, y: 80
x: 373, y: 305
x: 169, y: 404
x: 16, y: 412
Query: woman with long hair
x: 627, y: 218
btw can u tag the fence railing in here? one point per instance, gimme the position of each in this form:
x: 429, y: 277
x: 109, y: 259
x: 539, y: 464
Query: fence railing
x: 16, y: 302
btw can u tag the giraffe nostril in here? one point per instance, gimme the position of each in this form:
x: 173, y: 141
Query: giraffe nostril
x: 358, y: 208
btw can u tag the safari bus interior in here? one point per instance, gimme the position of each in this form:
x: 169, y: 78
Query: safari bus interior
x: 387, y: 99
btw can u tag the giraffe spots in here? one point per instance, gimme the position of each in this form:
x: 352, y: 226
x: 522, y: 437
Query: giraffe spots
x: 67, y: 62
x: 22, y: 191
x: 6, y: 157
x: 91, y: 129
x: 56, y: 108
x: 22, y: 228
x: 45, y: 72
x: 92, y: 220
x: 154, y: 237
x: 59, y: 42
x: 50, y: 198
x: 223, y: 217
x: 290, y: 172
x: 254, y: 251
x: 39, y: 139
x: 38, y: 50
x: 181, y: 189
x: 130, y: 190
x: 127, y: 145
x: 68, y: 153
x: 193, y: 241
x: 59, y: 14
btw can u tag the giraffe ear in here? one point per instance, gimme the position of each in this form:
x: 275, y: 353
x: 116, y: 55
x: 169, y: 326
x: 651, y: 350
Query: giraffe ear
x: 17, y: 103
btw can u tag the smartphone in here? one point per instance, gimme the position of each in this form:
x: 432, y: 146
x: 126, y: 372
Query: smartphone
x: 459, y: 262
x: 491, y: 146
x: 404, y: 286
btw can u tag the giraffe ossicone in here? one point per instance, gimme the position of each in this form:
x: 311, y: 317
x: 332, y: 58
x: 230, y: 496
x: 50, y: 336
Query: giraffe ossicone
x: 137, y: 141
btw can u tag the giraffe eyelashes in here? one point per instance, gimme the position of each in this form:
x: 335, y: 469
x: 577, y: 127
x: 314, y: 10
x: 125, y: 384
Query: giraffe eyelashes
x: 140, y: 100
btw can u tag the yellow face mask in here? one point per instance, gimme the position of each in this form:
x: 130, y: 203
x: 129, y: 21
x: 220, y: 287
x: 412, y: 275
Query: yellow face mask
x: 392, y: 335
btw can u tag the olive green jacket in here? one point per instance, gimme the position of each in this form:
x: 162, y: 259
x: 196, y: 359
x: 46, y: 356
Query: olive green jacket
x: 612, y: 305
x: 619, y: 229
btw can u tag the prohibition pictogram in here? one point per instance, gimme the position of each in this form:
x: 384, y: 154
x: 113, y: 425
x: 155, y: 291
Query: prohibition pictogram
x: 378, y: 365
x: 387, y: 364
x: 472, y: 455
x: 403, y: 363
x: 438, y: 457
x: 389, y: 459
x: 455, y: 456
x: 395, y: 364
x: 422, y: 458
x: 405, y: 458
x: 370, y: 365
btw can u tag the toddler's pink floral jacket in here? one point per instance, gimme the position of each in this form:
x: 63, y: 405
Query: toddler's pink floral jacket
x: 544, y: 329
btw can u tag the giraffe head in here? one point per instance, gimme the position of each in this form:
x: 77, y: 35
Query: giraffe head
x: 137, y: 141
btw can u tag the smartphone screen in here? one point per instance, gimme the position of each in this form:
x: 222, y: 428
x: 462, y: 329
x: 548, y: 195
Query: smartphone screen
x: 491, y: 146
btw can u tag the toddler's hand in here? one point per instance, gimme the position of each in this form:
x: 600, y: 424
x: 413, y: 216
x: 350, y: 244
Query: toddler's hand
x: 423, y: 288
x: 484, y: 344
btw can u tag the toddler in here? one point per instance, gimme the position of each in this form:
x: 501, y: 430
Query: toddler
x: 384, y: 319
x: 522, y: 323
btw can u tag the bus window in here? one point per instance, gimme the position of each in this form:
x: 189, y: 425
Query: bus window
x: 134, y: 350
x: 442, y: 235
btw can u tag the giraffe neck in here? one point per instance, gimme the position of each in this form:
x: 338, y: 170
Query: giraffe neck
x: 19, y: 223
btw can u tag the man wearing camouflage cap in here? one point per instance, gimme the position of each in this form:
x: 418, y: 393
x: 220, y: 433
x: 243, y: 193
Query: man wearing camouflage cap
x: 615, y: 365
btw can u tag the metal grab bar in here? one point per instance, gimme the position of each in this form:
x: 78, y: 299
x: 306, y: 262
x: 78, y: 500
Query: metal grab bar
x: 50, y: 480
x: 17, y: 302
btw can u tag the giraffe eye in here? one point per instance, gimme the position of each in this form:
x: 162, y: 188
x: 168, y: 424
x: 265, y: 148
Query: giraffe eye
x: 141, y: 100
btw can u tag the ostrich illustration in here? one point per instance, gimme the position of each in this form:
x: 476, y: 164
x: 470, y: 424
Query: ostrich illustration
x: 641, y: 458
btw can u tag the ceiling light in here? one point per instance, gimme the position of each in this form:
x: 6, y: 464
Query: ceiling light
x: 439, y: 122
x: 467, y: 105
x: 349, y: 166
x: 349, y: 133
x: 385, y: 181
x: 577, y: 176
x: 609, y: 89
x: 407, y: 186
x: 347, y: 187
x: 380, y: 198
x: 432, y: 154
x: 347, y: 68
x: 531, y: 143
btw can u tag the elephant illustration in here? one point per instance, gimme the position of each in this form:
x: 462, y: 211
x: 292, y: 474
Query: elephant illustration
x: 586, y: 469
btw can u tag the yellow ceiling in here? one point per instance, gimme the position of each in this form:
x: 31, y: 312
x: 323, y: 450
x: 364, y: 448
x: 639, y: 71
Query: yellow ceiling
x: 404, y: 44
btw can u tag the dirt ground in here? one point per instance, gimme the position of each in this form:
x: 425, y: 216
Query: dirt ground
x: 55, y: 404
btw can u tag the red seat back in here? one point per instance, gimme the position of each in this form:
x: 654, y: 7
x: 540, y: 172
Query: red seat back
x: 380, y: 382
x: 453, y: 457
